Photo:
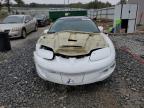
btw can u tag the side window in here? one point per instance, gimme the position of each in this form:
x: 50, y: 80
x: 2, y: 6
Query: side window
x: 30, y: 18
x: 26, y: 19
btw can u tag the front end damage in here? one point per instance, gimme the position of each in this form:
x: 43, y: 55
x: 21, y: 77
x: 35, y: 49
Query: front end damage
x: 74, y: 58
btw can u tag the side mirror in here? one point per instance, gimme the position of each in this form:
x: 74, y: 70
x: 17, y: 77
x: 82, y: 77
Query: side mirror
x: 26, y: 21
x: 46, y: 31
x: 101, y: 28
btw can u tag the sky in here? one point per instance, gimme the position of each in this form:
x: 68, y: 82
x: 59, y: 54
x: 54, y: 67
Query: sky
x: 62, y: 1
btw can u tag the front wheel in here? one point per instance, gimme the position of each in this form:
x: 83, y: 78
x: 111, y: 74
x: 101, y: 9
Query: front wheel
x: 23, y: 34
x: 36, y: 28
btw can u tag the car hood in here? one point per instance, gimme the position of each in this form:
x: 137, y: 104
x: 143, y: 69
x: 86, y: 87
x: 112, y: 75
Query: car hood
x: 9, y: 26
x: 71, y: 43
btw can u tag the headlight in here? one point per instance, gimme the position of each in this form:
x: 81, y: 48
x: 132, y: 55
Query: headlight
x: 15, y: 29
x: 44, y: 52
x: 1, y: 30
x: 100, y: 54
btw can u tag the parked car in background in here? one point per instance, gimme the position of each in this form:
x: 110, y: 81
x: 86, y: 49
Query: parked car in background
x: 74, y: 52
x: 42, y: 20
x: 18, y: 25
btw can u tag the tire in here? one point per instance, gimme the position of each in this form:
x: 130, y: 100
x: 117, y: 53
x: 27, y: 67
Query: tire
x: 36, y: 28
x: 23, y: 33
x: 46, y: 22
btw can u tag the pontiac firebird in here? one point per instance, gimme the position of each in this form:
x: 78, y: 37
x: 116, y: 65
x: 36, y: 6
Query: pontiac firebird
x: 74, y: 52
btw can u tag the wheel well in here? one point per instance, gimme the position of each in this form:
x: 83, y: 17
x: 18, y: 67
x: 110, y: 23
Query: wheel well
x: 24, y: 29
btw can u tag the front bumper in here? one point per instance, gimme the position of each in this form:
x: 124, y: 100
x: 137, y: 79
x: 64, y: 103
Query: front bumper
x: 15, y: 34
x: 74, y: 72
x: 41, y: 23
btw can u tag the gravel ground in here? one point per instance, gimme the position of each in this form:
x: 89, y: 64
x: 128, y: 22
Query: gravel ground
x: 20, y: 87
x: 134, y: 42
x: 4, y: 56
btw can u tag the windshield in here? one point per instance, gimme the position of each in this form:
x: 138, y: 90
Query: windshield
x: 84, y: 25
x: 39, y: 16
x: 13, y: 19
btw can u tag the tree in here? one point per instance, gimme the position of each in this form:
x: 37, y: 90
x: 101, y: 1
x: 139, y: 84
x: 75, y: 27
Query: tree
x: 33, y: 4
x: 122, y: 2
x: 91, y: 5
x: 20, y: 2
x: 98, y: 5
x: 0, y: 4
x: 7, y: 3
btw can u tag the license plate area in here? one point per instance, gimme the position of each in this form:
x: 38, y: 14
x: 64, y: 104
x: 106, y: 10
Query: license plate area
x: 72, y: 79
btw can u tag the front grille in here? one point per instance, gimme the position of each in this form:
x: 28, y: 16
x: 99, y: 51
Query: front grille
x: 39, y: 21
x: 7, y: 31
x: 68, y: 57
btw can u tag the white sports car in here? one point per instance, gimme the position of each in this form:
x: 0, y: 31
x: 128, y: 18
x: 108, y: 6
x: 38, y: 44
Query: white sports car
x: 74, y: 52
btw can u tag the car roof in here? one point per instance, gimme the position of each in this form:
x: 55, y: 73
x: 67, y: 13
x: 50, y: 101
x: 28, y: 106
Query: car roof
x: 74, y: 17
x: 19, y: 15
x: 40, y: 15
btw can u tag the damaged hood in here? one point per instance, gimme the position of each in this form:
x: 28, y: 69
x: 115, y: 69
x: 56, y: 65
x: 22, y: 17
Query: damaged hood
x: 71, y: 43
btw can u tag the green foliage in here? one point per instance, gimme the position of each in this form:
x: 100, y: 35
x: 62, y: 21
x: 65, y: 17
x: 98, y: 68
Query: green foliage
x: 78, y: 5
x: 36, y: 5
x: 7, y: 3
x: 0, y: 6
x: 91, y: 5
x: 122, y: 2
x: 3, y: 13
x: 19, y: 2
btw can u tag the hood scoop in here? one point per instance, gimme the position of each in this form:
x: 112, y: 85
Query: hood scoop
x: 73, y: 43
x: 65, y: 46
x: 72, y: 40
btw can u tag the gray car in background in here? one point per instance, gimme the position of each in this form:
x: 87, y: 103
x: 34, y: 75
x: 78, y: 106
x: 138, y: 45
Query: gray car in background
x: 18, y: 25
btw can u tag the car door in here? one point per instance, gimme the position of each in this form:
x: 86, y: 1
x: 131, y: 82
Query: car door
x: 32, y: 23
x: 46, y: 20
x: 27, y: 24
